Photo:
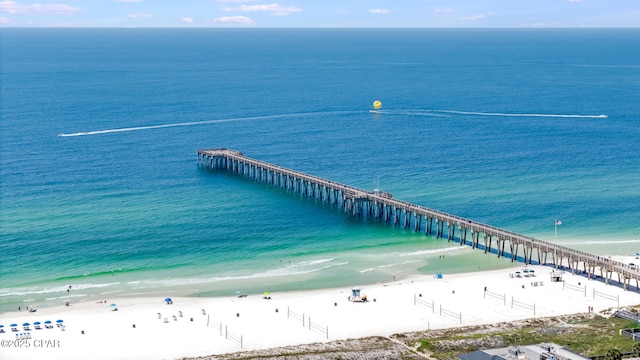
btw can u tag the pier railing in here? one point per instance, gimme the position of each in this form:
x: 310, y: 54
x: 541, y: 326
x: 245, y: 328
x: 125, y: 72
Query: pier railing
x: 382, y: 206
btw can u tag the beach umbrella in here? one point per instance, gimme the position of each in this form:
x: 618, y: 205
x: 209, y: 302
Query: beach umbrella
x: 37, y: 323
x: 59, y: 321
x: 26, y: 324
x: 113, y: 305
x: 1, y: 326
x: 167, y: 299
x: 267, y: 293
x: 48, y: 322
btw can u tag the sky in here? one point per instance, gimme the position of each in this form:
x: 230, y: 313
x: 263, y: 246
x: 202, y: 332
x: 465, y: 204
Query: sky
x: 321, y: 13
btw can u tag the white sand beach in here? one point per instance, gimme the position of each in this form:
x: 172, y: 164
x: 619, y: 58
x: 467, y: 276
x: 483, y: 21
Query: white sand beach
x: 232, y: 324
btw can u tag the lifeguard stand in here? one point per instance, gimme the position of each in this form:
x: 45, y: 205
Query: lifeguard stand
x: 355, y: 295
x: 556, y: 276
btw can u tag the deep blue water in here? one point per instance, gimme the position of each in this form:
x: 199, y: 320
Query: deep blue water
x: 473, y: 123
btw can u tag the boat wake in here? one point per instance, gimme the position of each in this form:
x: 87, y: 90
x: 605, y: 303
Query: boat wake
x: 477, y: 113
x: 431, y: 113
x: 204, y: 122
x: 601, y: 116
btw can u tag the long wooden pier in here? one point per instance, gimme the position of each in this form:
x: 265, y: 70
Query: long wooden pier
x: 383, y: 207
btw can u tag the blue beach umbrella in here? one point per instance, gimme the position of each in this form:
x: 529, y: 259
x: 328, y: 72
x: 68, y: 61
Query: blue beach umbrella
x: 37, y: 323
x: 59, y: 321
x: 26, y: 324
x: 47, y: 322
x: 167, y: 299
x: 112, y: 305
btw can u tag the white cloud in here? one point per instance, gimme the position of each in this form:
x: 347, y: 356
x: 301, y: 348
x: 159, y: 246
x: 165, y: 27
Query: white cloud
x: 127, y: 0
x: 139, y: 16
x: 233, y: 20
x: 10, y: 7
x: 380, y: 11
x: 273, y: 9
x: 472, y: 17
x: 443, y: 11
x: 186, y: 20
x: 5, y: 21
x: 235, y: 1
x: 575, y: 0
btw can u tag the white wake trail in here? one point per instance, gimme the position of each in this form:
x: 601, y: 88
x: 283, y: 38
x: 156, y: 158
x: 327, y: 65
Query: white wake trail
x: 192, y: 123
x: 521, y: 115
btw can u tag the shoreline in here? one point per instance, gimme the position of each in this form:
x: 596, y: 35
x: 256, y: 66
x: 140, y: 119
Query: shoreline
x: 295, y: 274
x: 407, y: 262
x: 199, y: 326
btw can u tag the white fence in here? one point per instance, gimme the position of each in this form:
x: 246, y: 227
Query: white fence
x: 418, y: 301
x: 502, y: 297
x: 523, y: 305
x: 224, y: 331
x: 606, y: 296
x: 449, y: 313
x: 575, y: 287
x: 307, y: 323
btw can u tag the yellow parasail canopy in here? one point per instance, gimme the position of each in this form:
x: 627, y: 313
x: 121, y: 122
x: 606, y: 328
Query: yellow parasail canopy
x: 377, y: 104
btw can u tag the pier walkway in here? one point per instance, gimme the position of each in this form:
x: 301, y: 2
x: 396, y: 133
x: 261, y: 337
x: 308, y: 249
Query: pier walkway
x: 383, y: 207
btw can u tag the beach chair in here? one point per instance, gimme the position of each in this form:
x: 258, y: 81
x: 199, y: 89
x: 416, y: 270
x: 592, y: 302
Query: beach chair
x: 166, y: 320
x: 175, y: 318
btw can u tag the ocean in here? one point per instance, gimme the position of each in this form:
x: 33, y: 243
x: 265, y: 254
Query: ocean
x: 511, y: 127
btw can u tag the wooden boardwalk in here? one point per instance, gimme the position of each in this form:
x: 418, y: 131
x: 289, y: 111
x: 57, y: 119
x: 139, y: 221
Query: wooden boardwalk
x: 383, y: 207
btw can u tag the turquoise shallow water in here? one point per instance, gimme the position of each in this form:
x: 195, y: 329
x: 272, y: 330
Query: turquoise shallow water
x: 473, y: 123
